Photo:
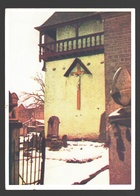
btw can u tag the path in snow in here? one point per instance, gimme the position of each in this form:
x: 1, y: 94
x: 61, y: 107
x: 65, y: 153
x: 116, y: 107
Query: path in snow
x: 77, y: 162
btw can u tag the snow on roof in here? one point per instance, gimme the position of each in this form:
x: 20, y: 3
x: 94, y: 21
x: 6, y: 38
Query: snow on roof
x: 39, y: 120
x: 35, y: 120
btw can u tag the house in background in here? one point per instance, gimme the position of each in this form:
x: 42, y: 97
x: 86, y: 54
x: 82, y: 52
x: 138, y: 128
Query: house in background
x: 24, y: 114
x: 32, y: 125
x: 32, y: 118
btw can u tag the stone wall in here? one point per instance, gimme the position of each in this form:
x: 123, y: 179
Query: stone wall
x: 117, y: 40
x: 117, y: 50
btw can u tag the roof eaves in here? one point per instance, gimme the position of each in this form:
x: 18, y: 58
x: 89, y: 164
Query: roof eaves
x: 51, y: 24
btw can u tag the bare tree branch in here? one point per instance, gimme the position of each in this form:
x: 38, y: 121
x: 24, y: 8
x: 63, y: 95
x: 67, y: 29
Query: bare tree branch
x: 35, y: 98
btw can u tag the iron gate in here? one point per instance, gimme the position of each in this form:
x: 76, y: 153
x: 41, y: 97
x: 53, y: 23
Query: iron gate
x: 32, y: 159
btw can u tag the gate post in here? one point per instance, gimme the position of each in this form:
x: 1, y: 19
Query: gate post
x: 14, y: 130
x: 43, y: 161
x: 120, y: 129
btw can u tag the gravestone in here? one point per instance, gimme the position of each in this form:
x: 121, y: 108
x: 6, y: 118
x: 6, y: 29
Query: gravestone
x: 64, y: 140
x: 53, y: 127
x: 53, y: 140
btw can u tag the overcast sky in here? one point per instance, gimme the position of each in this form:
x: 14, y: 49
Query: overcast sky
x: 21, y: 46
x: 21, y: 43
x: 22, y: 51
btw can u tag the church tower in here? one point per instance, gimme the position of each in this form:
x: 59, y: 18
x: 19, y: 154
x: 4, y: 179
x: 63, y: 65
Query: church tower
x: 81, y: 52
x: 72, y: 48
x: 87, y: 64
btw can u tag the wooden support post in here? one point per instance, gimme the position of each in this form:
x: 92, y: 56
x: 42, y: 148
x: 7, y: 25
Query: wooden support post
x: 40, y: 42
x: 79, y: 94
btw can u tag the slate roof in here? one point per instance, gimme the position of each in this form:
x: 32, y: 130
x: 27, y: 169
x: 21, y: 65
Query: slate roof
x: 63, y: 17
x: 60, y: 18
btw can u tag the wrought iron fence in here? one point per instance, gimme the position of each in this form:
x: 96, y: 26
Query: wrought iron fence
x: 32, y: 159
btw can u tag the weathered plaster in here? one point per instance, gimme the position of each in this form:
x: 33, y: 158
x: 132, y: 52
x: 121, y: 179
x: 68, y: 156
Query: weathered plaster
x: 61, y: 97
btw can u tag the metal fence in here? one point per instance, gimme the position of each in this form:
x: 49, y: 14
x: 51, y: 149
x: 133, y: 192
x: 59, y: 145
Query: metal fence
x: 31, y: 159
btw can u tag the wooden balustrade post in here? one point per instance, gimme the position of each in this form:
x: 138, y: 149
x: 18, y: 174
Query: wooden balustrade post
x: 99, y: 39
x: 77, y: 44
x: 95, y: 40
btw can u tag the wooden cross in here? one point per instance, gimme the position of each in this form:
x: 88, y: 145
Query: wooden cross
x: 78, y: 73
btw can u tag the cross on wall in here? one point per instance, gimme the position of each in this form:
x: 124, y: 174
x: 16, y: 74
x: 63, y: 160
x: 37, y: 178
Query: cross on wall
x: 78, y: 73
x: 78, y: 64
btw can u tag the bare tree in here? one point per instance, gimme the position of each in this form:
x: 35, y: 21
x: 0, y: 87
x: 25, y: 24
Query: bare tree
x: 36, y: 98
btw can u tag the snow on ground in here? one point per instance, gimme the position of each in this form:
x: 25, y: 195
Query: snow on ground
x: 77, y: 162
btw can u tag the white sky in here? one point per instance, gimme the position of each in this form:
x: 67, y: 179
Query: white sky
x: 22, y: 52
x: 21, y: 47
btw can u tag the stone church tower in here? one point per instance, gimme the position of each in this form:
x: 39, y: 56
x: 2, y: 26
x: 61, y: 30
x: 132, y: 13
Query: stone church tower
x: 72, y: 48
x: 81, y: 52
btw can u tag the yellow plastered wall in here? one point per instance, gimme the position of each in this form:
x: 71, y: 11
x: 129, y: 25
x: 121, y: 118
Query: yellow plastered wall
x: 61, y: 97
x: 87, y: 27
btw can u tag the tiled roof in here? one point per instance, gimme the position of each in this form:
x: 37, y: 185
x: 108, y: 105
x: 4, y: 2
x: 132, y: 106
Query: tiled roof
x: 62, y: 17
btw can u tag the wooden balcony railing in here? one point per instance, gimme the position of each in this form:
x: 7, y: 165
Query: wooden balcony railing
x: 54, y: 50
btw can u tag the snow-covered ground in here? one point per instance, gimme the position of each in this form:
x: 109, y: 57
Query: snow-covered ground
x: 79, y: 161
